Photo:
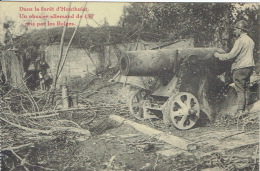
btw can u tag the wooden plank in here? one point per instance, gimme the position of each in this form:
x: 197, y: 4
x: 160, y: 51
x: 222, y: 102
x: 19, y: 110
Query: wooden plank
x: 171, y: 139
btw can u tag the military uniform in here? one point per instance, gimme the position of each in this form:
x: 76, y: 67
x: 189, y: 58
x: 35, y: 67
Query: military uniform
x: 242, y: 67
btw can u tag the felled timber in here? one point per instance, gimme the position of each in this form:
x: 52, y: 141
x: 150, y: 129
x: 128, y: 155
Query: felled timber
x: 51, y: 112
x: 171, y: 139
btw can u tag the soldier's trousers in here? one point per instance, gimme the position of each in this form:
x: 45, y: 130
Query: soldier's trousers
x: 241, y: 78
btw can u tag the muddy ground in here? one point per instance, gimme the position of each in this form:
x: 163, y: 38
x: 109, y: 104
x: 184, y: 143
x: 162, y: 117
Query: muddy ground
x: 115, y: 146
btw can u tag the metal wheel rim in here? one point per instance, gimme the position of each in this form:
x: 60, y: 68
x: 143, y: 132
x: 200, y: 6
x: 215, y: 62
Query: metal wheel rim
x: 136, y: 103
x: 184, y: 110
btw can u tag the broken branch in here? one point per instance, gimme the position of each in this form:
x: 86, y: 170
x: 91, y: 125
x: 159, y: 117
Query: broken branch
x: 53, y: 129
x: 17, y: 147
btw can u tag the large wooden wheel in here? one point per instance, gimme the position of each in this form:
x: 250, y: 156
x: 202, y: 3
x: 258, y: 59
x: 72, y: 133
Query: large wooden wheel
x: 136, y: 103
x: 184, y: 110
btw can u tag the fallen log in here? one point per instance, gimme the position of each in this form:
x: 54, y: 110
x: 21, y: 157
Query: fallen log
x: 53, y: 129
x: 171, y: 139
x: 51, y: 111
x: 17, y: 147
x: 44, y: 116
x: 25, y: 128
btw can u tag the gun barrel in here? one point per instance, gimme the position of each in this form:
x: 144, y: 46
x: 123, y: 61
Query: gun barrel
x: 158, y: 62
x: 147, y: 62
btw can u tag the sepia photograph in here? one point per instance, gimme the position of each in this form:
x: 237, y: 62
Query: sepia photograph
x: 129, y: 86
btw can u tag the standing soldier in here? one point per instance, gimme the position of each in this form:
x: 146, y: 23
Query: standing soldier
x: 242, y: 67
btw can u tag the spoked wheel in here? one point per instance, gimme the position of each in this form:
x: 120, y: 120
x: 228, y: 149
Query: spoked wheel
x: 184, y: 110
x: 136, y: 103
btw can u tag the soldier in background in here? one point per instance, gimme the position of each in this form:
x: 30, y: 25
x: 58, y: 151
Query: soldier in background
x: 41, y: 67
x: 242, y: 67
x: 36, y: 76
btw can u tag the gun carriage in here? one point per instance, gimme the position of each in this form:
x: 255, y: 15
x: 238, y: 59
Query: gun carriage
x: 184, y: 79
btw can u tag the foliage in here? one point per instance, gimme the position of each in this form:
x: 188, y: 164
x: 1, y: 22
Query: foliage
x: 139, y: 22
x: 207, y: 23
x: 87, y: 37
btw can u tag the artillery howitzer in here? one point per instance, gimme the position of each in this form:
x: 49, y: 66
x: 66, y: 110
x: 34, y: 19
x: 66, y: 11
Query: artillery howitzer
x: 187, y: 80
